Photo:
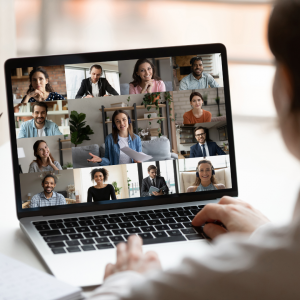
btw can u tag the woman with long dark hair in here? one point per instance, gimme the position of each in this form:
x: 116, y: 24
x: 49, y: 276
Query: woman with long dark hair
x: 40, y: 88
x: 122, y: 136
x: 44, y: 160
x: 100, y: 191
x: 145, y: 79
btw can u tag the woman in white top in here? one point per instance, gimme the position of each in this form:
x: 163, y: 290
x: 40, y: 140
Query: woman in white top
x: 256, y: 260
x: 44, y: 160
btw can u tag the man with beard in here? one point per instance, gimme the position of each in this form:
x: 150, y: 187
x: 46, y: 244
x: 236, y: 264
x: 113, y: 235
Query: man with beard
x: 48, y: 197
x: 197, y: 79
x: 38, y: 126
x: 204, y: 148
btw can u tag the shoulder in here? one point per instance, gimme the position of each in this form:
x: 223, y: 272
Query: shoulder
x: 28, y: 123
x: 209, y: 77
x: 33, y: 164
x: 56, y: 163
x: 91, y: 188
x: 194, y: 146
x: 137, y: 137
x: 110, y: 186
x: 186, y: 78
x: 55, y: 96
x: 109, y: 137
x: 206, y: 112
x: 49, y: 123
x: 36, y: 197
x: 58, y: 195
x: 188, y: 113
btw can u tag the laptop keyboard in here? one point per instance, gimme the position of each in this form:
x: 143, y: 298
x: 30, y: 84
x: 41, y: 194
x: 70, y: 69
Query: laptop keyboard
x: 101, y: 232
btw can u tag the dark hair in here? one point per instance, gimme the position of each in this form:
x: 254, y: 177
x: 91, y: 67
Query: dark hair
x: 195, y: 58
x: 42, y: 104
x: 38, y: 158
x: 137, y: 79
x: 193, y: 94
x: 35, y: 70
x: 96, y: 67
x: 49, y: 175
x: 115, y: 130
x: 284, y: 37
x: 151, y: 167
x: 101, y: 170
x: 200, y: 127
x: 198, y: 180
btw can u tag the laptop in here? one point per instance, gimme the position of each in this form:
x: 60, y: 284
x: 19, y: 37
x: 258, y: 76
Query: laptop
x: 77, y: 194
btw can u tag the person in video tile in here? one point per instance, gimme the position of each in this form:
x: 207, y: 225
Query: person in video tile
x: 44, y: 160
x: 205, y: 178
x: 196, y: 114
x: 95, y: 86
x: 204, y: 148
x: 40, y: 88
x: 145, y: 79
x: 122, y: 136
x: 38, y: 126
x: 197, y: 79
x: 48, y: 197
x: 155, y: 181
x: 100, y: 191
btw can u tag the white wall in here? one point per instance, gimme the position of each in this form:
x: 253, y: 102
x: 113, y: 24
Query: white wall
x: 109, y: 65
x: 32, y: 183
x: 52, y: 142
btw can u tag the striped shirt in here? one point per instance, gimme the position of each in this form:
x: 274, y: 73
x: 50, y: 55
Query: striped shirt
x: 40, y: 200
x: 191, y: 83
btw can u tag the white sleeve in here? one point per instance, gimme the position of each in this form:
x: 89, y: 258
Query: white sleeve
x: 264, y: 266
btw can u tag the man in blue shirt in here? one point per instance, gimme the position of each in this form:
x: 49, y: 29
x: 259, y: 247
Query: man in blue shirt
x: 38, y: 126
x: 197, y: 79
x: 204, y: 148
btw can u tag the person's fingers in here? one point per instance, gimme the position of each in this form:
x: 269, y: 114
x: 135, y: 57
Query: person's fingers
x: 230, y: 200
x: 134, y: 250
x: 91, y: 154
x: 109, y: 270
x: 210, y: 213
x: 121, y: 263
x: 151, y: 256
x: 213, y: 230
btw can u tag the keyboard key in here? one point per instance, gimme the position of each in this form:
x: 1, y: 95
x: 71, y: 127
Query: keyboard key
x: 113, y: 220
x: 168, y: 220
x: 132, y: 213
x: 146, y: 212
x: 184, y: 213
x: 170, y: 214
x: 71, y: 224
x: 70, y: 220
x: 176, y: 226
x: 56, y: 238
x: 104, y: 246
x: 160, y: 210
x: 42, y: 227
x: 97, y: 227
x: 58, y: 250
x: 159, y: 234
x: 126, y: 225
x: 73, y: 249
x: 86, y: 223
x: 194, y: 237
x: 82, y: 229
x: 90, y: 234
x: 68, y: 230
x: 201, y: 206
x: 162, y: 227
x: 105, y: 233
x: 176, y: 209
x: 126, y: 236
x: 133, y: 230
x: 102, y: 240
x: 188, y: 231
x: 86, y: 218
x: 154, y: 222
x: 57, y: 226
x: 142, y: 217
x: 101, y: 217
x: 148, y: 229
x: 50, y: 232
x: 56, y: 245
x: 173, y: 232
x: 76, y: 236
x: 87, y: 241
x: 164, y: 240
x: 73, y: 243
x: 145, y: 236
x: 128, y: 218
x: 156, y: 216
x: 139, y: 223
x: 111, y: 226
x: 88, y: 248
x: 182, y: 219
x: 193, y: 207
x: 119, y: 231
x: 100, y: 221
x: 194, y: 211
x: 116, y: 215
x: 187, y: 224
x: 55, y: 221
x: 40, y: 223
x: 115, y: 239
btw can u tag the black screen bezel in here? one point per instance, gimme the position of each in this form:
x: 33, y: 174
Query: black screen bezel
x: 117, y: 56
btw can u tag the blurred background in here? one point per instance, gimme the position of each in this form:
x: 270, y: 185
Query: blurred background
x: 47, y: 27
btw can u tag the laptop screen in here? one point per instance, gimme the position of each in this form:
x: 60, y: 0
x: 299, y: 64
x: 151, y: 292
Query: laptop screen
x: 103, y: 132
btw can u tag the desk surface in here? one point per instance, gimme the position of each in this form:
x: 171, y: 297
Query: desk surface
x: 268, y: 178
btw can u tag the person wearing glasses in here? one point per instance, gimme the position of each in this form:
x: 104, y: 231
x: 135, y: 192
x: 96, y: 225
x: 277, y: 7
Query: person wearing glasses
x: 196, y: 114
x: 204, y: 148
